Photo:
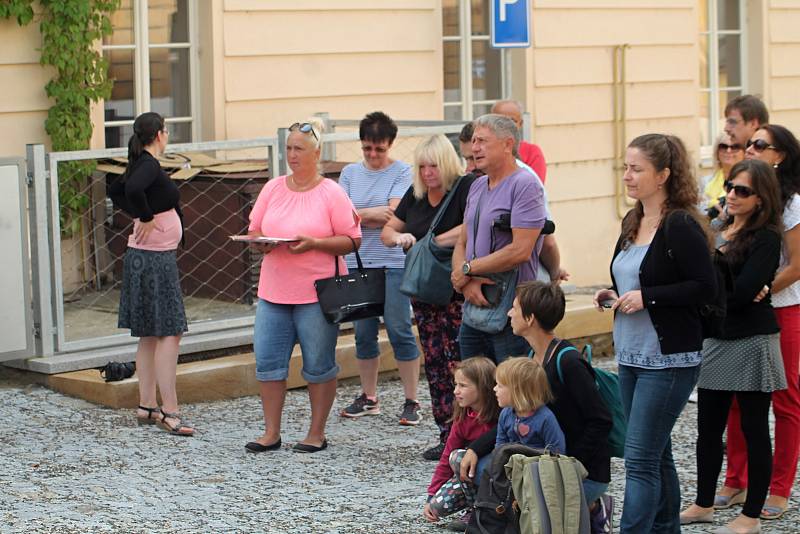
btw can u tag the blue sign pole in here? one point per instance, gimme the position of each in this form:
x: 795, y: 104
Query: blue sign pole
x: 511, y: 23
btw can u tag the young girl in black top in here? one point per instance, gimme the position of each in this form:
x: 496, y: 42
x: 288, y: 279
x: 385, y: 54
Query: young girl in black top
x: 151, y: 303
x: 745, y: 361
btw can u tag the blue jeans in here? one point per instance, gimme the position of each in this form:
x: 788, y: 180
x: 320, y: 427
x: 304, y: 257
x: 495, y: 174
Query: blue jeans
x: 653, y: 400
x: 396, y: 317
x: 593, y: 490
x: 279, y: 326
x: 497, y: 347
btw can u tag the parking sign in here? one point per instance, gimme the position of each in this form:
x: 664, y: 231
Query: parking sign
x: 511, y: 23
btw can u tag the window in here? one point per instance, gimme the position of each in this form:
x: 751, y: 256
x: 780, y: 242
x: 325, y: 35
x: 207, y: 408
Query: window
x: 152, y: 57
x: 722, y: 64
x: 470, y: 92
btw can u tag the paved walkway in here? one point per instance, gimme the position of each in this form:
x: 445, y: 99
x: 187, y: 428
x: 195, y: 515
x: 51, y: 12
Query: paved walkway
x: 69, y: 466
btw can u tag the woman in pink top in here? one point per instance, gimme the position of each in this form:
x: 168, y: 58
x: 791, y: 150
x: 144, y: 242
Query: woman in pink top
x: 318, y: 214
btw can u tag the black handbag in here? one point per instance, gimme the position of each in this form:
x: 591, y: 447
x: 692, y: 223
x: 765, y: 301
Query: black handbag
x: 116, y: 371
x: 358, y: 295
x: 426, y: 276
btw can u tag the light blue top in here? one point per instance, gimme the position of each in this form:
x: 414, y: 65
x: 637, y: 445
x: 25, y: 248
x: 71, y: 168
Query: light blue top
x: 539, y: 430
x: 369, y: 189
x: 635, y: 339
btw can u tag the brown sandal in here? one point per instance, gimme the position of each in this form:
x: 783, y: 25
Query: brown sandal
x: 151, y: 418
x: 182, y: 428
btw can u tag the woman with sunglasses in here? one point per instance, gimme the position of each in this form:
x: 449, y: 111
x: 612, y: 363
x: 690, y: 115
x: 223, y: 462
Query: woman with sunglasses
x: 778, y: 147
x: 317, y: 216
x: 150, y: 302
x: 376, y: 185
x: 745, y: 361
x: 662, y: 272
x: 726, y: 155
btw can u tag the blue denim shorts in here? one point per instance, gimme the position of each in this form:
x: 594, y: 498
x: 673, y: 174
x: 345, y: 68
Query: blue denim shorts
x: 279, y: 326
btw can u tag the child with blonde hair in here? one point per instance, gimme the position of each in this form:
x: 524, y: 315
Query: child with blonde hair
x: 474, y: 412
x: 523, y: 392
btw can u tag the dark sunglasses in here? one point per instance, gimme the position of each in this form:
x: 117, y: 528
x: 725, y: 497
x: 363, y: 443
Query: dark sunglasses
x: 305, y: 128
x: 760, y: 145
x: 741, y: 191
x: 726, y: 147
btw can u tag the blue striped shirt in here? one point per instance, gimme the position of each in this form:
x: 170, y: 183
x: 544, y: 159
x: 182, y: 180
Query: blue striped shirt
x: 369, y: 189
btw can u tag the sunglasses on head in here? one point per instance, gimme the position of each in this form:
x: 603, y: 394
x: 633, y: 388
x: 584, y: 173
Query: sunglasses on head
x: 725, y: 147
x: 305, y: 128
x: 741, y: 191
x: 760, y: 145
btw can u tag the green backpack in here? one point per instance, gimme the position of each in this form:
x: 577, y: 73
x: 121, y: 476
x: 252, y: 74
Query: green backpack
x: 608, y: 387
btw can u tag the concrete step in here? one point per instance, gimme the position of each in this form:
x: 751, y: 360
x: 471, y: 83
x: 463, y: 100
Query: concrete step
x: 234, y: 376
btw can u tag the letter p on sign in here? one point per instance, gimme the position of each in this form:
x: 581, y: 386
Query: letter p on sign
x: 511, y: 23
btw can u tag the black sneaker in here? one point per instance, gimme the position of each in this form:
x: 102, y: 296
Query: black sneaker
x: 361, y: 406
x: 410, y: 415
x: 459, y: 524
x: 434, y: 453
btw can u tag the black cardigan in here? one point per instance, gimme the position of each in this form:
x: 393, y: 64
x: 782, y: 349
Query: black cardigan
x: 745, y: 318
x: 676, y: 276
x: 146, y: 191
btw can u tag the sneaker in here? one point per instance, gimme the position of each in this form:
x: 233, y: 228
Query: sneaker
x: 361, y: 406
x: 434, y: 453
x: 602, y: 515
x: 410, y: 415
x: 460, y: 524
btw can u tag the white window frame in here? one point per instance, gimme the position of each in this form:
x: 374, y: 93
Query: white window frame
x: 141, y: 61
x: 465, y: 38
x: 713, y: 33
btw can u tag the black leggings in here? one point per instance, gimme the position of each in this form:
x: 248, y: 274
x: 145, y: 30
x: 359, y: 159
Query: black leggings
x: 712, y: 414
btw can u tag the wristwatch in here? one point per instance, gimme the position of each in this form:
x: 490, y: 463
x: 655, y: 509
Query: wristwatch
x: 465, y: 268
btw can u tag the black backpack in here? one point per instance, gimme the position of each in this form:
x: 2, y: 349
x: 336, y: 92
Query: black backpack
x: 496, y: 510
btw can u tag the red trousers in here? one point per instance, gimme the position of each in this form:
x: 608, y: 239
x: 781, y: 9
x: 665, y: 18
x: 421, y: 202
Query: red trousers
x: 785, y: 406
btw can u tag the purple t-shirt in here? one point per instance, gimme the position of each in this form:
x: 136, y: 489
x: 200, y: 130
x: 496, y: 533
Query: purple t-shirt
x: 519, y: 193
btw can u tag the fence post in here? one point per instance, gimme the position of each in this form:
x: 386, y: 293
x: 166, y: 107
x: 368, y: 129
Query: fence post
x: 41, y: 257
x: 282, y: 133
x: 527, y: 126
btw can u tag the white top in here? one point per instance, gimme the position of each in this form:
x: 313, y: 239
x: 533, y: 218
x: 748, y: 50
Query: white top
x: 791, y: 218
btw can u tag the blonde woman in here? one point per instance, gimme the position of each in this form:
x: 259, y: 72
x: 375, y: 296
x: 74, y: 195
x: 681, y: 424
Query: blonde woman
x: 436, y: 173
x: 726, y: 155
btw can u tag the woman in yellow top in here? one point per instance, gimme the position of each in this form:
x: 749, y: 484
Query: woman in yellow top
x: 726, y: 155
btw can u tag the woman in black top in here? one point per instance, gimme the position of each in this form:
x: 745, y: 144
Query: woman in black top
x: 745, y: 361
x: 436, y: 173
x: 151, y: 303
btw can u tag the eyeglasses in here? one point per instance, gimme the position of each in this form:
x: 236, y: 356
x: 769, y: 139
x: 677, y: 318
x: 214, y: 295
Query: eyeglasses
x: 371, y: 148
x: 760, y: 145
x: 741, y: 191
x: 734, y: 147
x: 305, y: 128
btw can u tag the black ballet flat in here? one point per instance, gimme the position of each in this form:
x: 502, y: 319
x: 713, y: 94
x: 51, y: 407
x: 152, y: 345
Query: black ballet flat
x: 255, y: 446
x: 304, y: 447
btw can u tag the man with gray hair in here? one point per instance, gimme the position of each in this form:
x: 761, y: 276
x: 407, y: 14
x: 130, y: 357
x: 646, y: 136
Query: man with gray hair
x: 529, y: 153
x: 503, y: 221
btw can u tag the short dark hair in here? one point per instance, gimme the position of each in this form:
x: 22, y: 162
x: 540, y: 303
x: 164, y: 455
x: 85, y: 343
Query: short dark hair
x: 751, y: 107
x: 543, y: 301
x: 466, y: 133
x: 376, y: 127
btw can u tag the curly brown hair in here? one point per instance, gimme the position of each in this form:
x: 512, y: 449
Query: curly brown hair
x: 666, y: 152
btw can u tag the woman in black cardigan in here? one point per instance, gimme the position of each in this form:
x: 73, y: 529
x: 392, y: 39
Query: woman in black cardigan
x: 661, y: 273
x: 745, y: 361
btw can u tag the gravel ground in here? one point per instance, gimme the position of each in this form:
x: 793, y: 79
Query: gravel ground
x: 70, y: 466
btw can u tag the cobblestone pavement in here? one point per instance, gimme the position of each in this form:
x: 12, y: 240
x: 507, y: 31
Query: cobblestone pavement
x: 70, y: 466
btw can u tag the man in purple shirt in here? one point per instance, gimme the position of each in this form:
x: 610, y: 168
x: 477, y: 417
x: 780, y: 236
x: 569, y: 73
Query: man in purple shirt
x: 505, y: 191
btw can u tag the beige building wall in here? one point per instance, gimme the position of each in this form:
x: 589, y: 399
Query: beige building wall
x: 24, y: 104
x: 570, y: 92
x: 782, y: 53
x: 278, y: 62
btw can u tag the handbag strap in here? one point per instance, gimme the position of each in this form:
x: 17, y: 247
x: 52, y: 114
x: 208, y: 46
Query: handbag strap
x: 443, y: 206
x: 477, y: 221
x: 358, y: 259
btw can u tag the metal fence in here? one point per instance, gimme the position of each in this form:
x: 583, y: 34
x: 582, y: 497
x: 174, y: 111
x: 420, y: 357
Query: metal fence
x: 78, y: 257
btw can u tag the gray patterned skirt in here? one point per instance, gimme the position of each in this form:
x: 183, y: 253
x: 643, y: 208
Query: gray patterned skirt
x: 747, y: 364
x: 150, y: 301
